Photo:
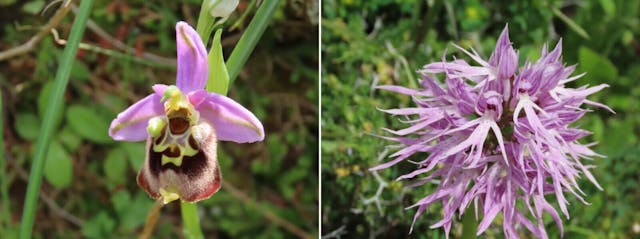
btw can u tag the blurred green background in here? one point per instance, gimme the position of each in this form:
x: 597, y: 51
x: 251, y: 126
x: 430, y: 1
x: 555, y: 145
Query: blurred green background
x: 369, y: 43
x: 89, y: 189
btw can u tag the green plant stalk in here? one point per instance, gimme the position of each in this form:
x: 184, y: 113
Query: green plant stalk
x: 246, y: 12
x: 191, y: 221
x: 250, y: 38
x: 205, y: 23
x: 238, y: 58
x: 126, y: 57
x: 573, y: 25
x: 4, y: 184
x: 189, y: 211
x: 42, y: 144
x: 469, y: 223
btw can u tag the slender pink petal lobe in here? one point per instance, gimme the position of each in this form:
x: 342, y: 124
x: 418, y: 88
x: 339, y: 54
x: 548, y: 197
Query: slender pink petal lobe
x: 231, y: 120
x: 131, y: 124
x: 193, y: 69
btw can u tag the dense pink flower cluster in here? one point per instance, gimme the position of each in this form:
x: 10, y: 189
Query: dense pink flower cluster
x: 496, y: 134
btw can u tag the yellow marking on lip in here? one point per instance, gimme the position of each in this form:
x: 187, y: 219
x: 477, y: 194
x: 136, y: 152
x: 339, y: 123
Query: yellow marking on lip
x: 176, y: 161
x: 168, y: 195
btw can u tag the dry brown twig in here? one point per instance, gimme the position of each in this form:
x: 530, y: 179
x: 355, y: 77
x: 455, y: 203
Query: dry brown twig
x: 121, y: 46
x: 29, y: 45
x: 55, y: 20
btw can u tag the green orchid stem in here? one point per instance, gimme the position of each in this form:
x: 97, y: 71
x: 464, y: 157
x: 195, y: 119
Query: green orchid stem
x: 250, y: 38
x: 205, y: 23
x: 190, y: 220
x: 469, y: 223
x: 42, y: 144
x: 189, y: 211
x: 236, y: 61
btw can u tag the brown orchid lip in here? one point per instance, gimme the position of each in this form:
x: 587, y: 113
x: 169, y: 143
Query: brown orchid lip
x: 193, y: 166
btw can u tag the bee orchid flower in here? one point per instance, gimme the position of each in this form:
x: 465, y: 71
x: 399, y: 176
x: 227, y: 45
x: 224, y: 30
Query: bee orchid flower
x: 182, y: 124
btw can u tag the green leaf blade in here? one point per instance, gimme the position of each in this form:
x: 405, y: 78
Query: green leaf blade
x: 87, y: 123
x: 218, y: 76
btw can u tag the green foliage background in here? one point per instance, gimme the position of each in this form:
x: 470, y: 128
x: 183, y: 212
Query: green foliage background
x: 369, y: 43
x: 90, y: 189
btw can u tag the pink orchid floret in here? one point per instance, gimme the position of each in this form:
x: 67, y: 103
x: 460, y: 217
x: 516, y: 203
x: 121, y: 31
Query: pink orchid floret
x: 496, y: 135
x: 182, y: 124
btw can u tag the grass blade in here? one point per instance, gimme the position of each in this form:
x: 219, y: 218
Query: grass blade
x: 4, y: 184
x: 250, y: 38
x: 573, y: 25
x: 42, y: 144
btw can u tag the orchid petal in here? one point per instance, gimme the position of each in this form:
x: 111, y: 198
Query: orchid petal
x: 197, y: 97
x: 231, y: 120
x: 488, y: 218
x: 402, y: 90
x: 504, y: 58
x: 131, y: 124
x: 159, y: 89
x: 496, y: 130
x: 193, y: 69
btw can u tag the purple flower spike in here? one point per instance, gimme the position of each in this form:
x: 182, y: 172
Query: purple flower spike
x: 182, y: 124
x: 495, y: 146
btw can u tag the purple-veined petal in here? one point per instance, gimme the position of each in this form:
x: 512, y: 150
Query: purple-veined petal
x: 431, y: 85
x: 402, y: 90
x: 459, y: 69
x: 231, y: 120
x: 597, y: 104
x: 410, y: 111
x: 488, y: 218
x: 419, y: 212
x: 504, y: 57
x: 478, y: 136
x: 496, y: 130
x: 193, y: 69
x: 474, y: 56
x: 415, y: 127
x: 543, y: 206
x: 131, y: 124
